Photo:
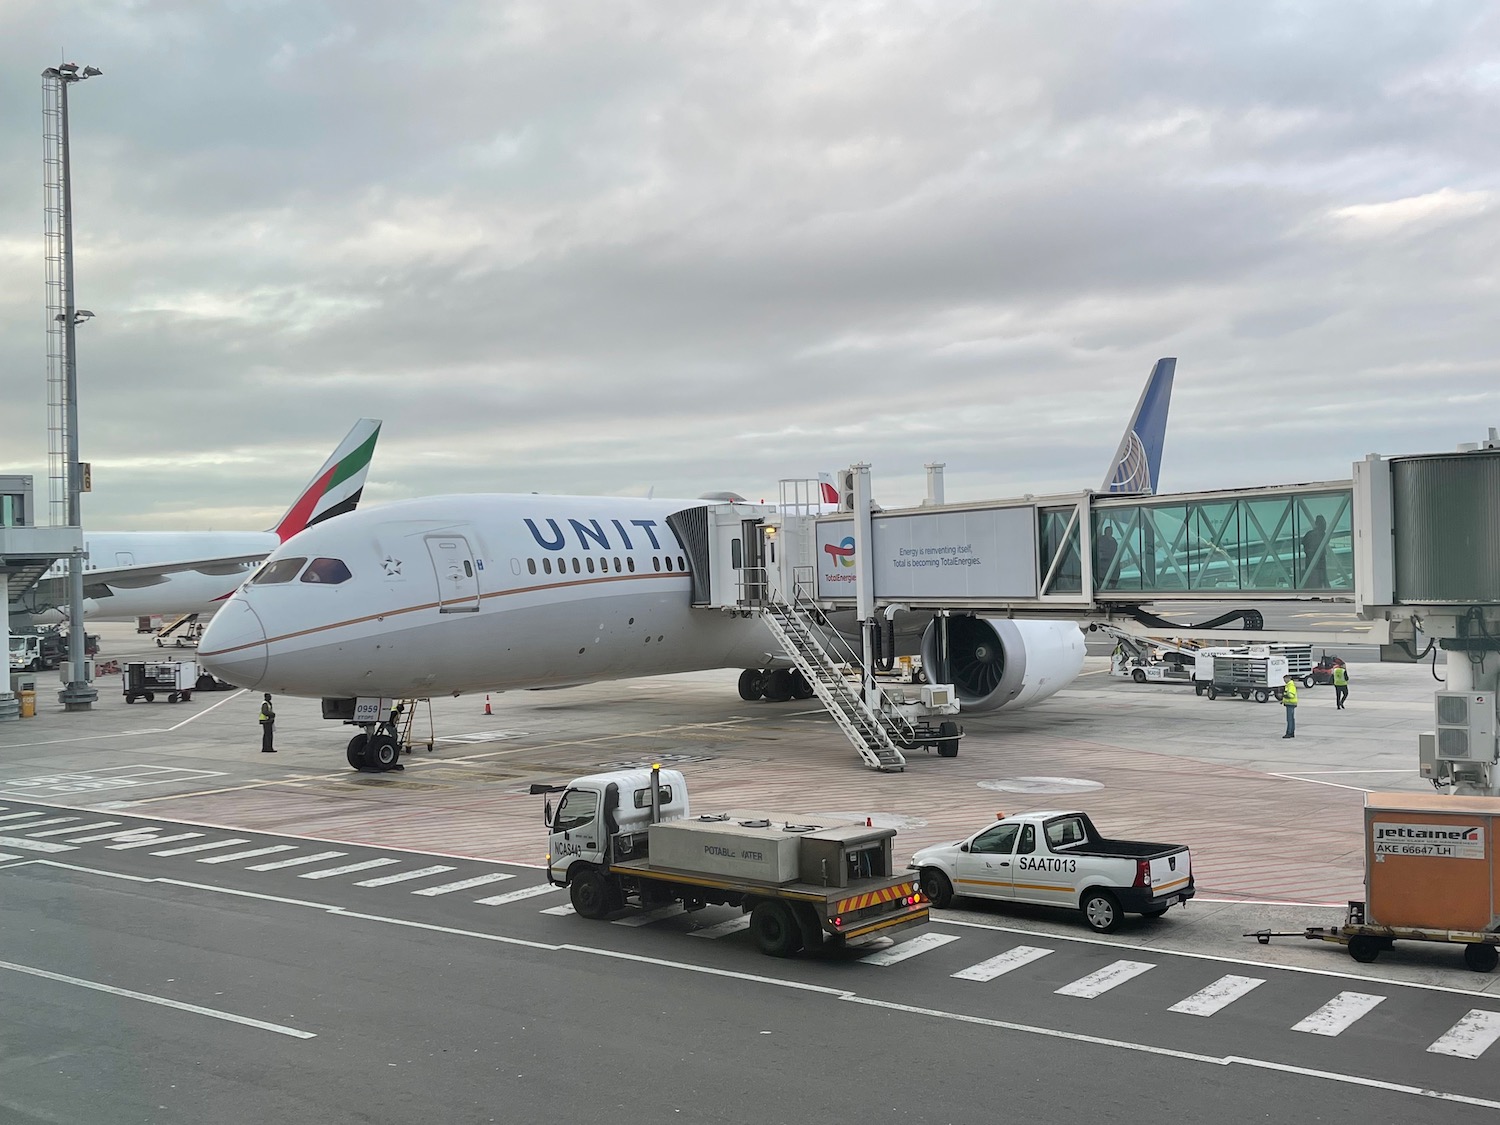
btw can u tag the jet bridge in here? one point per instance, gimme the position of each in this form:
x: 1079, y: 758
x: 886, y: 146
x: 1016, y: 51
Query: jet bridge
x: 25, y: 554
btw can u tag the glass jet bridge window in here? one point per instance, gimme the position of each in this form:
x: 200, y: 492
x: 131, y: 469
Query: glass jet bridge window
x: 282, y: 570
x: 328, y: 571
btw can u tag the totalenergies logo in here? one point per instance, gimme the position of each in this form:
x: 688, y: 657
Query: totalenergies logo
x: 841, y: 552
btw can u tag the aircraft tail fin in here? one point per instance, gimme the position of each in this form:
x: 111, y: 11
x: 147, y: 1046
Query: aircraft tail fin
x: 338, y: 484
x: 828, y: 492
x: 1137, y: 463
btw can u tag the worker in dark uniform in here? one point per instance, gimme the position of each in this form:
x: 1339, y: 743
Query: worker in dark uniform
x: 1289, y: 701
x: 1340, y: 684
x: 267, y: 726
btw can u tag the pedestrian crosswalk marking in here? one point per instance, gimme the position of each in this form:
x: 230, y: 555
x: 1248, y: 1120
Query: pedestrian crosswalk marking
x: 1336, y: 1016
x: 905, y: 949
x: 5, y: 857
x: 346, y: 869
x: 251, y: 854
x: 119, y: 835
x: 1220, y: 994
x: 402, y: 876
x: 147, y: 841
x: 25, y: 845
x: 208, y: 847
x: 560, y: 911
x: 514, y: 896
x: 723, y: 929
x: 295, y: 861
x: 1470, y: 1037
x: 75, y: 828
x: 998, y: 966
x: 649, y: 916
x: 51, y: 820
x: 1111, y: 976
x: 20, y: 815
x: 465, y: 884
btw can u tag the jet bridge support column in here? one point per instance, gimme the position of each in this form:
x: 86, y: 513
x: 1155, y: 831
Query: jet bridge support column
x: 864, y: 582
x: 10, y: 707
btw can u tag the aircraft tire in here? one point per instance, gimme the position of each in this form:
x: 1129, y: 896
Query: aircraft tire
x: 357, y: 753
x: 801, y: 689
x: 779, y: 686
x: 752, y: 684
x: 384, y: 752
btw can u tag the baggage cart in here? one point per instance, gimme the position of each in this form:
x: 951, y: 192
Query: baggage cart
x: 175, y: 679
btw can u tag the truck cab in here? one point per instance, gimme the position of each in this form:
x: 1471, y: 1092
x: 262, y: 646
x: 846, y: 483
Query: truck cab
x: 605, y: 817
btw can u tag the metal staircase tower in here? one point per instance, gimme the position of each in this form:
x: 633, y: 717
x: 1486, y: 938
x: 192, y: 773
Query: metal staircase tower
x: 873, y: 733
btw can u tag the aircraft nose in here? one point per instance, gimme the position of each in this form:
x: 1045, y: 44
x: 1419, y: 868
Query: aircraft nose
x: 233, y: 647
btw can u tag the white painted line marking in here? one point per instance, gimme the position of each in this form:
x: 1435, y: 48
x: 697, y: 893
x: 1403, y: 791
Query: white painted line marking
x: 998, y: 966
x: 1111, y: 976
x: 561, y: 911
x: 53, y: 820
x: 1470, y: 1037
x: 1338, y: 1014
x: 76, y: 828
x: 202, y: 847
x: 149, y: 840
x: 723, y: 929
x: 251, y: 854
x: 402, y: 876
x: 161, y: 1000
x: 21, y: 815
x: 296, y: 861
x: 124, y: 834
x: 1220, y: 994
x: 669, y: 911
x: 25, y: 845
x: 910, y: 948
x: 465, y: 884
x: 348, y: 867
x: 6, y: 858
x: 516, y: 896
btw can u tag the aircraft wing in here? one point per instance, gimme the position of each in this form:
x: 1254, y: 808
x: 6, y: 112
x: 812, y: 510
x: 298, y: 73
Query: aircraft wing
x: 102, y: 582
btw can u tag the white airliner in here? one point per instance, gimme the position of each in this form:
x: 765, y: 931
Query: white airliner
x: 142, y: 573
x: 453, y: 594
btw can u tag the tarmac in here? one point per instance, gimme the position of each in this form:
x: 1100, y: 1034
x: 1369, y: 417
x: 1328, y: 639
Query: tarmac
x: 1275, y: 825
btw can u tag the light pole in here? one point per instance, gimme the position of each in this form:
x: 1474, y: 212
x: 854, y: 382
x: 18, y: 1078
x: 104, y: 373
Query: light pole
x: 78, y: 694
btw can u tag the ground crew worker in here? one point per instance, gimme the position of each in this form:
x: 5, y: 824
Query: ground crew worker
x: 1340, y: 684
x: 267, y: 726
x: 1289, y: 701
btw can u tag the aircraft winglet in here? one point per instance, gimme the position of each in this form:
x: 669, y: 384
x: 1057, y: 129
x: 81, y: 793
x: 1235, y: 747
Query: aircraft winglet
x: 338, y: 484
x: 1137, y: 463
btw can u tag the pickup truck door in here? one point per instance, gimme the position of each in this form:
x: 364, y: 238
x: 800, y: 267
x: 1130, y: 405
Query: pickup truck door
x: 985, y: 868
x: 1041, y: 876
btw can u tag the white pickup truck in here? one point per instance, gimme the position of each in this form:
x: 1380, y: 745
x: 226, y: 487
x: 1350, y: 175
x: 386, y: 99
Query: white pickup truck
x: 1058, y: 859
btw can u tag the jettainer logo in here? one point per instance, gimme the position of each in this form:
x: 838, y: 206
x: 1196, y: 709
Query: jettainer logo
x: 1444, y: 841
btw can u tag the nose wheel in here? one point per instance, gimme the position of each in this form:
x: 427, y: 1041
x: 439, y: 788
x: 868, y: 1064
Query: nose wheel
x: 374, y: 752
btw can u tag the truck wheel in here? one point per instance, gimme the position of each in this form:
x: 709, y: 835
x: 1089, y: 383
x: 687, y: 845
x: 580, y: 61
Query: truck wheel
x: 773, y: 928
x: 1364, y: 948
x: 936, y: 887
x: 1213, y: 692
x: 356, y: 755
x: 1101, y: 910
x: 1139, y: 676
x: 384, y: 752
x: 1197, y: 688
x: 948, y: 746
x: 779, y: 686
x: 1308, y: 681
x: 592, y: 896
x: 1480, y: 957
x: 752, y: 684
x: 1262, y: 696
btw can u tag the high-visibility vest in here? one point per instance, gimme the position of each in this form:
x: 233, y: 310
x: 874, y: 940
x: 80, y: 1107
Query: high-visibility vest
x: 1341, y: 676
x: 1289, y: 693
x: 266, y: 714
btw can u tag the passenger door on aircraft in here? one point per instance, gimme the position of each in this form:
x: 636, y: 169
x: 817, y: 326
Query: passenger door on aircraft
x: 124, y: 558
x: 457, y: 574
x: 985, y: 869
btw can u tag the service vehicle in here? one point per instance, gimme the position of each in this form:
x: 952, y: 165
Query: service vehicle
x: 1250, y: 671
x: 626, y: 837
x: 142, y: 679
x: 38, y: 648
x: 1322, y: 671
x: 1058, y: 859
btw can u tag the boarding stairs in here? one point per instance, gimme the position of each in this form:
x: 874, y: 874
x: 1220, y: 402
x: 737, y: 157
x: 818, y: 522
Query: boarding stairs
x: 874, y: 734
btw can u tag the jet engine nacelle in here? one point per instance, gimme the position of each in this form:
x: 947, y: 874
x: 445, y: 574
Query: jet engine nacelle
x: 998, y: 662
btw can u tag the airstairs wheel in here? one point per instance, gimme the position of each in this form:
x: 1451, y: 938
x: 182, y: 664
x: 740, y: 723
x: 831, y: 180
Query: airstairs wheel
x: 947, y: 747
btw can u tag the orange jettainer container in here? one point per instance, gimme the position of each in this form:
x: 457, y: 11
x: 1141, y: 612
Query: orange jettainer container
x: 1430, y: 862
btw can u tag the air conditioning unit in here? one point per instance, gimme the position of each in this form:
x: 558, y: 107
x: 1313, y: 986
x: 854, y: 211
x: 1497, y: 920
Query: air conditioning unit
x: 846, y: 490
x: 937, y: 695
x: 1465, y: 726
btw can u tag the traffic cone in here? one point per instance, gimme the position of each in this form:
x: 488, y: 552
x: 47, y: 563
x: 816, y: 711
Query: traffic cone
x: 487, y: 710
x: 869, y: 822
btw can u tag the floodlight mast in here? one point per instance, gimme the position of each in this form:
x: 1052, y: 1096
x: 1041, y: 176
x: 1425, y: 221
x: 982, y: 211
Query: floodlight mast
x: 78, y: 694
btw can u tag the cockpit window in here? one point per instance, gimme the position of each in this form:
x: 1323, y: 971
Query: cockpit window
x: 329, y: 571
x: 282, y: 570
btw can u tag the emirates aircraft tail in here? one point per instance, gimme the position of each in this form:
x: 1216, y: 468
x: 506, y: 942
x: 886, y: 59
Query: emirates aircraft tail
x: 1137, y: 463
x: 337, y: 486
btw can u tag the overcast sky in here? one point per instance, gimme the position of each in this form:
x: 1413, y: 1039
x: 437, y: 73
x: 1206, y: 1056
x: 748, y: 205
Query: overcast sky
x: 612, y: 247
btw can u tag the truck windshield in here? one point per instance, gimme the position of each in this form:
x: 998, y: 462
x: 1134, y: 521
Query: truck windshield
x: 999, y: 840
x: 578, y: 808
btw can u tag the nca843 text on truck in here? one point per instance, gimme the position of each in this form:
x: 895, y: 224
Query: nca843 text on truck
x: 626, y: 837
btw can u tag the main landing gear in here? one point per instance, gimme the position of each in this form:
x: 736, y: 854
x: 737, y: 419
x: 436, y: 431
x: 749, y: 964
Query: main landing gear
x: 776, y: 686
x: 375, y: 750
